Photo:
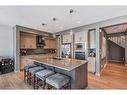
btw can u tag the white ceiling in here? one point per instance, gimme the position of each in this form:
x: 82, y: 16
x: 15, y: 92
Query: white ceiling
x: 34, y: 16
x: 116, y: 28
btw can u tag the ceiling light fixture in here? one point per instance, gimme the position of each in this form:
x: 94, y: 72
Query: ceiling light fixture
x: 54, y: 19
x: 71, y: 12
x: 43, y: 24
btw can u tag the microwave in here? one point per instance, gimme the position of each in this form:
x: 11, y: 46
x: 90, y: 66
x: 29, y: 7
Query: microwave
x: 80, y: 46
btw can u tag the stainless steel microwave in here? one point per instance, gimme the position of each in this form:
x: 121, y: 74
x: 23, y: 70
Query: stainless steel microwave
x: 80, y: 46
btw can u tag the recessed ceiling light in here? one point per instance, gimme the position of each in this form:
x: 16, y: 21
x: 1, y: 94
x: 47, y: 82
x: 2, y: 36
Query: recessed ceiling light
x: 54, y: 19
x: 71, y: 10
x: 43, y: 24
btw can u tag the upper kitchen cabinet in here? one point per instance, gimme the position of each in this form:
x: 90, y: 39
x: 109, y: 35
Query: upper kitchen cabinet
x: 80, y: 37
x: 92, y: 38
x: 27, y: 41
x: 50, y: 43
x: 66, y: 38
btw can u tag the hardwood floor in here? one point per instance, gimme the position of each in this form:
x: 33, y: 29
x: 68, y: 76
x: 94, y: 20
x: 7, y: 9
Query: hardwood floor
x: 13, y: 80
x: 114, y: 76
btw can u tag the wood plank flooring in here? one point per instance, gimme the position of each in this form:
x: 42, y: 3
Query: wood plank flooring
x: 114, y: 76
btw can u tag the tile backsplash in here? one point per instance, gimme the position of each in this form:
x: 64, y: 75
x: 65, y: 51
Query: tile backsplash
x: 36, y: 51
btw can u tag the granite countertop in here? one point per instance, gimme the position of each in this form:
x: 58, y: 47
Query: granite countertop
x: 67, y: 64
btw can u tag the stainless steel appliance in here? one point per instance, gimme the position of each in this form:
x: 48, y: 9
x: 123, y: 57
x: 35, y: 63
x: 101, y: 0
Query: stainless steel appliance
x: 92, y: 52
x: 80, y: 46
x: 80, y: 55
x: 40, y: 41
x: 66, y: 50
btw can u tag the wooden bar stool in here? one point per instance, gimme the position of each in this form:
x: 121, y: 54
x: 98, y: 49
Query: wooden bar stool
x: 26, y: 69
x: 58, y: 81
x: 41, y: 77
x: 31, y: 75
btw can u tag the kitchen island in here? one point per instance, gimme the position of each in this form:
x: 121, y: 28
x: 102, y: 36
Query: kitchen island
x: 76, y: 69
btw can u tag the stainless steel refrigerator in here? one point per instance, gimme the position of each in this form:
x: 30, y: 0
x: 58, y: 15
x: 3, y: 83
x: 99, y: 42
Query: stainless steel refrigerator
x: 66, y: 50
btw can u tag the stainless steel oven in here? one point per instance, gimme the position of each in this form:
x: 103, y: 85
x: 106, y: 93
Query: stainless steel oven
x: 80, y: 55
x: 80, y: 46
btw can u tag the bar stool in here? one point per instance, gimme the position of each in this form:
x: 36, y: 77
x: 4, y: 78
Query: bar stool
x: 26, y: 69
x: 41, y: 77
x: 58, y: 81
x: 32, y: 72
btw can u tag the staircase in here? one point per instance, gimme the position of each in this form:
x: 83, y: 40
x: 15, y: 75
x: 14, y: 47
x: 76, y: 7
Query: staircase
x: 116, y: 49
x: 119, y: 40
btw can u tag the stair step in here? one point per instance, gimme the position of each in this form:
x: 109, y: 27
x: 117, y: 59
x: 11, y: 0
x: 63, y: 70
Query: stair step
x: 118, y: 40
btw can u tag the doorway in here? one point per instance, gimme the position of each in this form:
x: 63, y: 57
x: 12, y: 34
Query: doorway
x: 115, y: 42
x: 116, y: 49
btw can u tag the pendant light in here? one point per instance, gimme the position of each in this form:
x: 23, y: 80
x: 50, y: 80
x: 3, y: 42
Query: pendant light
x: 54, y: 20
x: 71, y: 12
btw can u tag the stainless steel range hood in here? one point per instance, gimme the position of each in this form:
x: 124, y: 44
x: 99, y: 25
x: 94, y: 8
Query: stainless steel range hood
x: 40, y: 41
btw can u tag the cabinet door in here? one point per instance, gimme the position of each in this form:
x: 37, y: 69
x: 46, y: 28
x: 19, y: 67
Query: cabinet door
x: 32, y: 42
x: 24, y: 42
x: 22, y: 45
x: 63, y: 39
x: 53, y: 44
x: 24, y: 61
x: 50, y: 44
x: 91, y: 64
x: 80, y: 37
x: 47, y: 42
x: 28, y: 41
x: 66, y: 38
x: 92, y: 39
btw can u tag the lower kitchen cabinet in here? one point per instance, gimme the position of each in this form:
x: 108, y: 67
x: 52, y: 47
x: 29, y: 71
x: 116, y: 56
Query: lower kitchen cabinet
x: 91, y: 64
x: 24, y: 61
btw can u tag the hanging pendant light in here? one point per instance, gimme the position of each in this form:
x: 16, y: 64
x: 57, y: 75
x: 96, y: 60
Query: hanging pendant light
x: 71, y: 12
x: 54, y: 20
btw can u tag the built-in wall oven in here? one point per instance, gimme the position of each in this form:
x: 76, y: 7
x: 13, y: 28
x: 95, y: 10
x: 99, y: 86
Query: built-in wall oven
x: 80, y: 46
x: 80, y: 55
x: 80, y: 51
